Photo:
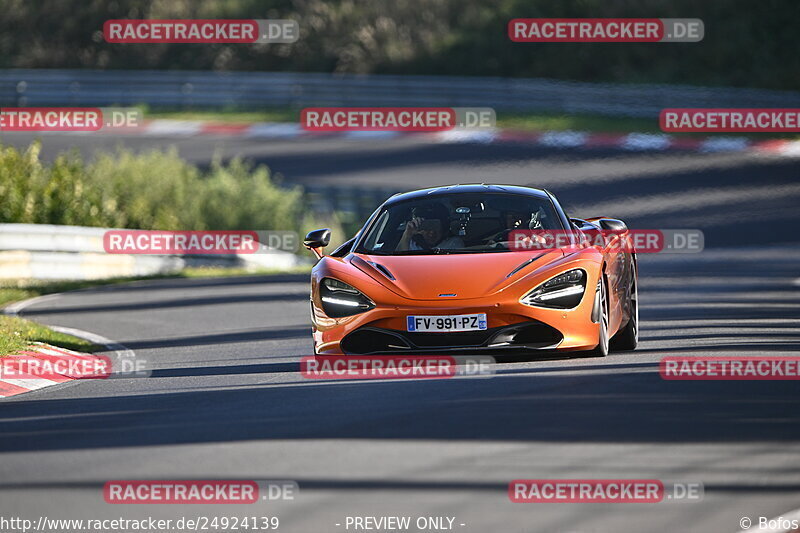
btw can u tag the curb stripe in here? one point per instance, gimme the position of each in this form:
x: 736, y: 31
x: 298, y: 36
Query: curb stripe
x: 634, y: 141
x: 24, y: 382
x: 30, y: 383
x: 172, y: 127
x: 25, y: 376
x: 55, y: 359
x: 57, y: 352
x: 7, y: 389
x: 213, y: 128
x: 603, y: 140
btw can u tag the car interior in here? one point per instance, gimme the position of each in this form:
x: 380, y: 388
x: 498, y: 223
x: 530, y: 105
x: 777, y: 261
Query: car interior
x: 482, y: 223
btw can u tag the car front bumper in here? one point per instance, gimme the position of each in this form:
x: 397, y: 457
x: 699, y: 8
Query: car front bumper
x: 512, y: 326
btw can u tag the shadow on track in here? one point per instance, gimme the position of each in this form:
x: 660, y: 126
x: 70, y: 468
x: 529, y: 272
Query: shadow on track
x: 390, y: 484
x: 634, y: 406
x: 196, y: 283
x: 220, y: 338
x: 178, y: 302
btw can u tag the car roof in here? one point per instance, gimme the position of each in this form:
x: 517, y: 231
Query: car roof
x: 467, y: 188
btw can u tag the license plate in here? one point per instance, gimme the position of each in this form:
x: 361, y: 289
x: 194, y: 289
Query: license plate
x: 475, y: 322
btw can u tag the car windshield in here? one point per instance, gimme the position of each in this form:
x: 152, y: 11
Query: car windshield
x: 457, y: 223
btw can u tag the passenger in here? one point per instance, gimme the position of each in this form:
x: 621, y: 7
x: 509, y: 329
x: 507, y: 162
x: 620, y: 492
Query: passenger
x: 429, y: 228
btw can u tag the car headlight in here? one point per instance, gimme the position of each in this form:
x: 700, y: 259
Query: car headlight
x: 340, y: 299
x: 561, y: 292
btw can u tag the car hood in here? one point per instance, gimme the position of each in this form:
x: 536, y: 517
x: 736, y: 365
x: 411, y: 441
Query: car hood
x: 428, y: 277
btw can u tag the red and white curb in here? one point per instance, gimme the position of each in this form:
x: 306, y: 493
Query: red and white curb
x: 556, y: 139
x: 633, y: 142
x: 59, y: 358
x: 63, y: 362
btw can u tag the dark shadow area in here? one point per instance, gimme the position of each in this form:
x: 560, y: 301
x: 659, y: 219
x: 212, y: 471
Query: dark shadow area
x: 715, y: 336
x: 277, y: 368
x: 220, y: 338
x: 266, y: 368
x: 197, y: 283
x: 174, y: 303
x: 727, y: 223
x: 777, y: 172
x: 624, y: 407
x: 577, y: 370
x: 759, y: 348
x: 708, y: 313
x: 359, y: 484
x: 738, y: 326
x: 305, y: 168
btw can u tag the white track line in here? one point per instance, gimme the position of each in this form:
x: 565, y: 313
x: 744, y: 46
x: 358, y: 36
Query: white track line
x: 121, y: 352
x: 125, y: 364
x: 16, y: 307
x: 30, y: 383
x: 119, y: 349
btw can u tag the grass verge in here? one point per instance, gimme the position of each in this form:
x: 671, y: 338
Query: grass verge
x: 14, y: 291
x: 232, y: 116
x: 590, y: 123
x: 17, y: 334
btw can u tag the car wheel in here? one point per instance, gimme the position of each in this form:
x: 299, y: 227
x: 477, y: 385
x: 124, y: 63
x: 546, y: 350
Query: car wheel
x: 628, y: 337
x: 601, y: 302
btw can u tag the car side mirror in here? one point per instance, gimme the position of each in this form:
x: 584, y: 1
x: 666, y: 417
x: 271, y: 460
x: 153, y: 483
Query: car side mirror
x: 317, y: 240
x: 578, y: 222
x: 612, y: 224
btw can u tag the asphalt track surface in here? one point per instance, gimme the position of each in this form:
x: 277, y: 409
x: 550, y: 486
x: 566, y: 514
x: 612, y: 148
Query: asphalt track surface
x: 225, y: 399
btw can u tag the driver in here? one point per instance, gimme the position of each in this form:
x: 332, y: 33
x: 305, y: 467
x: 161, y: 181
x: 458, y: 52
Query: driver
x: 519, y: 219
x: 513, y: 220
x: 429, y: 228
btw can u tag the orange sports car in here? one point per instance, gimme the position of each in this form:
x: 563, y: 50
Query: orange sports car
x: 440, y: 271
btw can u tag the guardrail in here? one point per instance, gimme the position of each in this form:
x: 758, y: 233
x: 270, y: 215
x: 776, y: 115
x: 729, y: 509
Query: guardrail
x: 43, y: 251
x: 352, y: 204
x: 24, y: 87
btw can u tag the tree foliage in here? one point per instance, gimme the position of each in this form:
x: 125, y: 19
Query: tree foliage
x: 747, y: 44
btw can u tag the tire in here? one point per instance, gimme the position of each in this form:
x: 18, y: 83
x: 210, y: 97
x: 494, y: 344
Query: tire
x: 601, y: 300
x: 628, y: 337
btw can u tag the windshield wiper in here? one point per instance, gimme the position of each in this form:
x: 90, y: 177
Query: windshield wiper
x: 448, y: 251
x: 437, y: 251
